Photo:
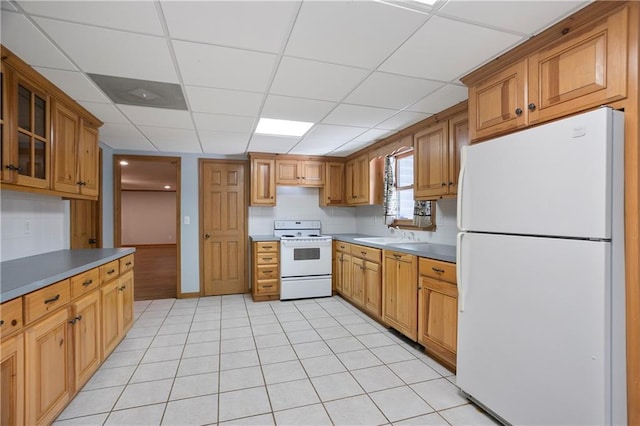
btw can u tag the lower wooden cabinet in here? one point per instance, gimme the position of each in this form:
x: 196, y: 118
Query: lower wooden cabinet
x: 358, y: 276
x: 438, y: 310
x: 85, y: 321
x: 12, y: 380
x: 48, y: 386
x: 111, y: 317
x: 400, y: 292
x: 265, y: 272
x: 126, y: 299
x: 373, y: 288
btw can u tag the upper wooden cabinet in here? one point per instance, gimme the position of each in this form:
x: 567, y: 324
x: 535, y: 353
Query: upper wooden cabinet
x: 263, y: 182
x: 49, y: 141
x: 583, y: 68
x: 300, y: 172
x: 437, y: 157
x: 363, y: 180
x: 333, y: 191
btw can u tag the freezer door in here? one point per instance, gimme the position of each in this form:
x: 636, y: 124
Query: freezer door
x: 552, y: 180
x: 534, y: 328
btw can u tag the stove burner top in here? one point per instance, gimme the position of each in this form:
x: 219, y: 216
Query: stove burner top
x: 288, y: 236
x: 314, y: 235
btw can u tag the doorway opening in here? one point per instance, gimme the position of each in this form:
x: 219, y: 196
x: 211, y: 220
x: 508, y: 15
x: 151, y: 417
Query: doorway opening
x: 147, y: 217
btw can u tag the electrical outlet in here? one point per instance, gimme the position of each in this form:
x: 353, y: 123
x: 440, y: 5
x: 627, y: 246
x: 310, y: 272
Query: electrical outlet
x: 27, y: 227
x: 187, y: 220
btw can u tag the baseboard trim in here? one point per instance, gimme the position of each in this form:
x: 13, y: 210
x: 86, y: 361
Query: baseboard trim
x: 189, y: 295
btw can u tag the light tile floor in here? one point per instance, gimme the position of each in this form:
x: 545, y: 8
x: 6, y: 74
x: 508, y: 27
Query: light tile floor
x: 227, y: 360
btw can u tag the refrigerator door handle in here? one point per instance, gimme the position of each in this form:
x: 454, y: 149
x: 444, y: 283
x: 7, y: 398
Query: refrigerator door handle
x: 463, y: 167
x: 459, y: 272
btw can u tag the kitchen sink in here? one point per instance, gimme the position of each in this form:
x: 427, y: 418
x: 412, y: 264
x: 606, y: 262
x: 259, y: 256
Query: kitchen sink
x: 386, y: 240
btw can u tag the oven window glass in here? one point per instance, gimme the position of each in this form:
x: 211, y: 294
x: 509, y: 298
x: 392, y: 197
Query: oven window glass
x: 312, y: 253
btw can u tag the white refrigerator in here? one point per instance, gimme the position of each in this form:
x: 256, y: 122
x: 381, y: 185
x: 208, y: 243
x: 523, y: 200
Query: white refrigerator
x: 540, y: 258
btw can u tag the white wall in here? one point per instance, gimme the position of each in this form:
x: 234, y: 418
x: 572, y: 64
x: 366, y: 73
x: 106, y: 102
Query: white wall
x: 370, y: 221
x: 148, y: 217
x: 32, y: 224
x: 301, y: 203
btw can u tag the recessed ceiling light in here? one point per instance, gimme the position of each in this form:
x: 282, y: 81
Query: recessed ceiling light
x: 124, y: 163
x: 271, y: 126
x: 167, y: 187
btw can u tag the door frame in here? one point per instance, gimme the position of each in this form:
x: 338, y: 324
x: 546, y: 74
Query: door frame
x: 201, y: 163
x: 117, y: 206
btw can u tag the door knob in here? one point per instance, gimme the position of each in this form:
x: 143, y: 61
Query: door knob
x: 92, y: 241
x: 207, y: 236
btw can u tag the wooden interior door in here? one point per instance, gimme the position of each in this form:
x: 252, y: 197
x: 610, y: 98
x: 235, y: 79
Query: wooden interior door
x: 223, y: 211
x: 84, y: 224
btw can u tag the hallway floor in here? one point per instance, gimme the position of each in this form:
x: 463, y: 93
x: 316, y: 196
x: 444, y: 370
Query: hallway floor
x: 227, y: 360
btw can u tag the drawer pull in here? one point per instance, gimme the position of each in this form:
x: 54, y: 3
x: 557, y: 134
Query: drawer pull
x: 128, y: 264
x: 53, y: 299
x: 111, y: 271
x: 14, y: 322
x: 267, y: 258
x: 364, y: 253
x: 440, y: 271
x: 397, y: 256
x: 1, y: 322
x: 88, y: 282
x: 267, y: 247
x: 267, y: 286
x: 267, y: 272
x: 76, y: 319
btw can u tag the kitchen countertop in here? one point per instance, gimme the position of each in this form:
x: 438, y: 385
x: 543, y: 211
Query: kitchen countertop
x: 21, y: 276
x: 442, y: 252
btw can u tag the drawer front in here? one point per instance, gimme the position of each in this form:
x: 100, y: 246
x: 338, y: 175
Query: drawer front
x: 85, y: 282
x: 267, y: 272
x: 109, y: 271
x: 126, y: 263
x: 267, y: 287
x: 267, y: 258
x: 371, y: 254
x: 11, y: 317
x: 402, y: 257
x: 437, y: 269
x: 267, y: 246
x: 48, y: 299
x: 343, y: 247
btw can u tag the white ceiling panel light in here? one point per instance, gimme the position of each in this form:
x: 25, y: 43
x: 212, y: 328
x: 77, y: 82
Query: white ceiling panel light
x: 255, y: 25
x: 276, y: 127
x: 26, y: 41
x: 357, y: 33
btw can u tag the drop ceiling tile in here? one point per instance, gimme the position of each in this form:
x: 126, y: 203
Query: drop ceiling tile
x: 441, y: 99
x: 223, y: 67
x: 372, y: 135
x: 333, y: 134
x: 444, y: 49
x: 347, y: 149
x: 315, y: 80
x: 25, y: 40
x: 525, y: 17
x: 402, y: 120
x: 107, y: 113
x: 221, y: 101
x: 299, y: 109
x: 359, y: 116
x: 160, y: 117
x: 353, y: 33
x: 5, y: 5
x: 273, y: 144
x: 136, y: 16
x: 227, y: 143
x: 309, y: 148
x: 112, y: 52
x: 391, y: 91
x: 124, y: 137
x: 223, y: 123
x: 172, y: 140
x: 74, y: 84
x: 255, y: 25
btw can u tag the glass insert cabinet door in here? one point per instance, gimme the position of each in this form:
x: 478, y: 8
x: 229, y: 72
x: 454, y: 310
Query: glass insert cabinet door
x: 29, y: 160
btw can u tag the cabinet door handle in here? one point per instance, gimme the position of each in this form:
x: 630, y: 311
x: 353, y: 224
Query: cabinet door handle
x: 531, y: 106
x: 128, y: 264
x: 53, y: 299
x: 122, y: 288
x: 13, y: 168
x: 111, y: 271
x: 518, y: 112
x: 88, y: 282
x: 76, y: 319
x: 1, y: 322
x: 440, y: 271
